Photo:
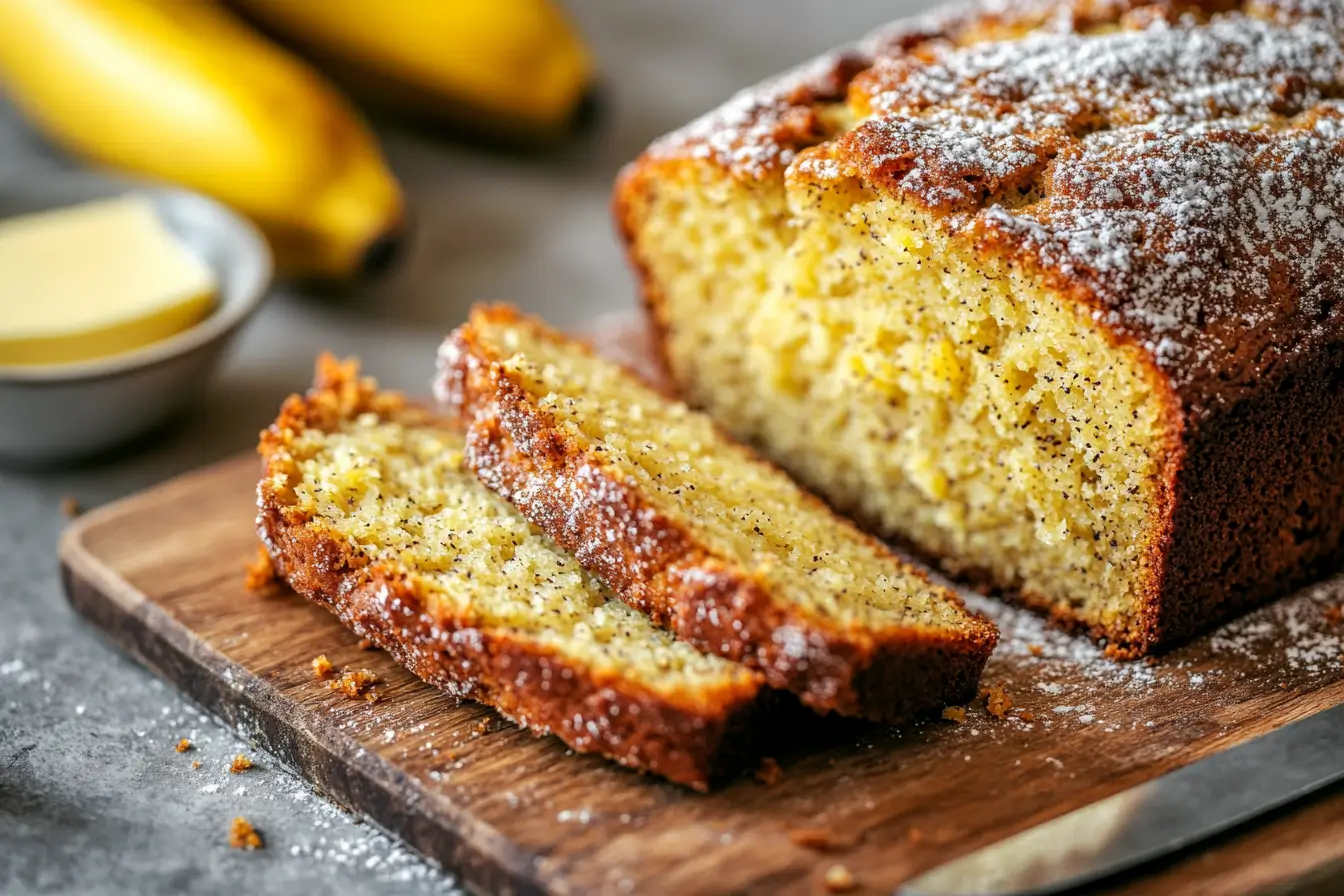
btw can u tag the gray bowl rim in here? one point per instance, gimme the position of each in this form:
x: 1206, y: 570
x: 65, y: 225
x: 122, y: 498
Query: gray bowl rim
x: 79, y: 187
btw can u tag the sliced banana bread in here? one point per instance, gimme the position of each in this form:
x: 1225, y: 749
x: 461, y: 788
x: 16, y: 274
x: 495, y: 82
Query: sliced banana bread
x: 1050, y: 289
x: 698, y: 531
x: 366, y: 508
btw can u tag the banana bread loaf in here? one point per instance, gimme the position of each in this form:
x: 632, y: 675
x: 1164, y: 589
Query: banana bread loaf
x: 367, y: 509
x: 1049, y: 290
x: 701, y: 533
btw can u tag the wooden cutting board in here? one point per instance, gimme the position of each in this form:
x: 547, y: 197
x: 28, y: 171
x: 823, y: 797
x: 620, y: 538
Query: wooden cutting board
x: 162, y: 574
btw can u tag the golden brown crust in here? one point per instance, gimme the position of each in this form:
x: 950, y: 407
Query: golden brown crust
x: 662, y: 567
x: 1172, y: 169
x: 690, y: 738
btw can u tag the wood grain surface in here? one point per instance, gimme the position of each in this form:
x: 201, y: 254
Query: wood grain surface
x: 162, y: 574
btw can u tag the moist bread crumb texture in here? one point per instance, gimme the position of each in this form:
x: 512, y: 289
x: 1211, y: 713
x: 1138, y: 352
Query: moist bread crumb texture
x: 367, y: 508
x: 1049, y: 290
x: 700, y: 532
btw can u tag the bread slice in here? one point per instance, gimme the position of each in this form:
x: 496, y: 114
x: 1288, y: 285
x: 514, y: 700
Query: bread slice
x: 698, y: 531
x: 366, y: 509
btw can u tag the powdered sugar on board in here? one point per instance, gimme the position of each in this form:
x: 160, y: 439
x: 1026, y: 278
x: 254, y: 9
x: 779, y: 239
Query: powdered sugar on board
x: 1064, y: 681
x: 1301, y: 633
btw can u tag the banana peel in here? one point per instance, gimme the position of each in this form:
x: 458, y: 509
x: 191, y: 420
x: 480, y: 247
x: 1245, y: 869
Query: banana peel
x: 511, y: 71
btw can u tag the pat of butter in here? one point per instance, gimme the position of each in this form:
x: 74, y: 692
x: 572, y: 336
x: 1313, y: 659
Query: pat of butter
x: 94, y: 280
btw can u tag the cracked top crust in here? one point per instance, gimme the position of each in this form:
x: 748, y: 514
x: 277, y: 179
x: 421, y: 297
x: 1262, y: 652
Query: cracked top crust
x: 1176, y: 166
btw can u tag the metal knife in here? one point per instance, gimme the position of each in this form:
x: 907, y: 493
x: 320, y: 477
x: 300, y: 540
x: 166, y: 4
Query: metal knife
x: 1154, y: 819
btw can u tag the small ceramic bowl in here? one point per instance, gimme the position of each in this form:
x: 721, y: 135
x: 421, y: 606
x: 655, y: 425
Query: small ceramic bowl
x: 56, y: 414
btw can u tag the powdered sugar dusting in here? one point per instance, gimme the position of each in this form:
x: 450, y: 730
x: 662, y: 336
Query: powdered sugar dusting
x: 1296, y: 641
x: 1178, y: 166
x: 1187, y: 172
x: 1290, y: 632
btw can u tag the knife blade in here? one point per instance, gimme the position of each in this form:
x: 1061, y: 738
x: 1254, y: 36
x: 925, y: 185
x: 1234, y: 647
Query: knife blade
x: 1153, y: 819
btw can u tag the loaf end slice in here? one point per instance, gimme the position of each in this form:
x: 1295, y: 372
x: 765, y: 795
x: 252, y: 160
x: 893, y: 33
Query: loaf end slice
x: 698, y: 532
x: 367, y: 509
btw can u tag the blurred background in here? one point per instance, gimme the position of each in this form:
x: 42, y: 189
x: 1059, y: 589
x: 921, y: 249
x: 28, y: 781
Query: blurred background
x: 529, y: 226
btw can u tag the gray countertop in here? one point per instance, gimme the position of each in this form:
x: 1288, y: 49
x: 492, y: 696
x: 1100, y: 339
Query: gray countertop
x: 93, y: 799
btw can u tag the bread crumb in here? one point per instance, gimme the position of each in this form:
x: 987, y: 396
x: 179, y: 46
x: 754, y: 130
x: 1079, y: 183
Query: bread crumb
x: 321, y: 666
x: 70, y: 507
x: 183, y: 745
x: 196, y: 763
x: 242, y: 835
x: 260, y: 572
x: 954, y: 714
x: 1035, y: 649
x: 1026, y: 715
x: 366, y: 644
x: 997, y: 701
x: 820, y: 839
x: 240, y: 764
x: 1334, y: 614
x: 353, y: 684
x: 839, y: 879
x: 769, y: 773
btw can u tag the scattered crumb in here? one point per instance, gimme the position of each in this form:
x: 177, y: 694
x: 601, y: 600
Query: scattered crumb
x: 354, y: 684
x: 260, y: 572
x: 480, y: 728
x: 183, y: 745
x: 321, y: 666
x: 196, y: 763
x: 820, y: 839
x: 365, y: 644
x: 1035, y: 649
x: 769, y: 773
x: 997, y: 701
x: 70, y: 507
x: 915, y: 835
x: 1334, y: 614
x: 240, y: 764
x: 243, y: 836
x: 1026, y: 715
x: 839, y: 879
x: 954, y: 714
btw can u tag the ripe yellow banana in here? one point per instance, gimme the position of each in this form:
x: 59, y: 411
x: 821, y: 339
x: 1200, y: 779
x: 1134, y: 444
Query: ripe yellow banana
x: 513, y: 68
x: 180, y: 90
